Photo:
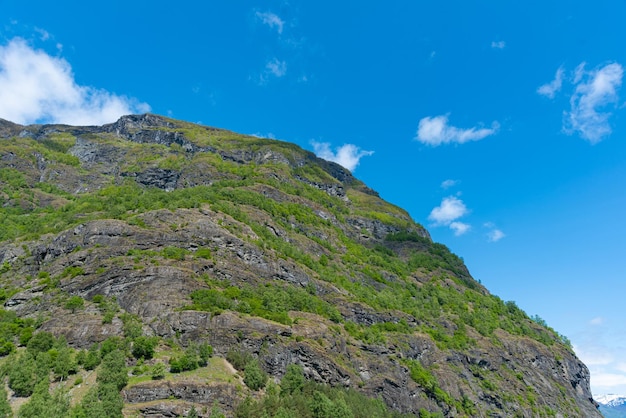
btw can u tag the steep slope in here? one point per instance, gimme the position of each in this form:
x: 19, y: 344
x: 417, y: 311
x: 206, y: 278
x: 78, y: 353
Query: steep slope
x: 262, y: 250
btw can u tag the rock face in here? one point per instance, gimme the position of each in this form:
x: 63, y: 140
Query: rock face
x: 304, y: 264
x: 193, y: 392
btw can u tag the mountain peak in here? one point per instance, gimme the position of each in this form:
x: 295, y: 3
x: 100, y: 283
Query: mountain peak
x: 610, y: 399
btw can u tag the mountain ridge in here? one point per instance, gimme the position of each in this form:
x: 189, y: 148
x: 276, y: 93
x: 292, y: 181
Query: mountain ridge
x: 611, y: 405
x: 204, y: 235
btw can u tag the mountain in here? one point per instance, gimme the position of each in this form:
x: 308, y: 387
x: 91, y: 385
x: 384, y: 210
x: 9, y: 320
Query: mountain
x: 155, y: 267
x: 612, y: 406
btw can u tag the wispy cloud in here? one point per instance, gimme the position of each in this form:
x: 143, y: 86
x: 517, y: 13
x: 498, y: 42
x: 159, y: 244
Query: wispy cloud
x: 44, y: 35
x: 276, y: 68
x: 38, y: 88
x: 600, y: 344
x: 608, y: 380
x: 448, y: 213
x: 459, y: 228
x: 551, y: 88
x: 435, y: 131
x: 498, y: 44
x: 446, y: 184
x: 268, y: 135
x: 272, y: 20
x: 597, y: 321
x: 595, y: 90
x: 494, y: 234
x: 348, y: 155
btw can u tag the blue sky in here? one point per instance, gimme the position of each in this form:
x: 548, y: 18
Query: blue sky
x: 500, y: 126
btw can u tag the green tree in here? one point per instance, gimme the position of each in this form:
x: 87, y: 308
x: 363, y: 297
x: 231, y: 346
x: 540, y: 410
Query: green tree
x: 5, y: 407
x: 92, y: 358
x: 293, y: 380
x: 64, y: 364
x: 6, y: 347
x: 111, y: 344
x: 102, y: 401
x: 113, y: 370
x: 40, y: 342
x: 25, y: 335
x: 282, y: 412
x: 42, y: 404
x: 158, y: 371
x: 254, y: 377
x: 143, y: 347
x: 341, y: 409
x: 22, y: 375
x: 204, y: 351
x: 322, y: 406
x: 74, y: 303
x: 132, y: 325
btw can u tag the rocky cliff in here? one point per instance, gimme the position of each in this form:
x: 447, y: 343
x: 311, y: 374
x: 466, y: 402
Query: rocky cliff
x: 256, y: 246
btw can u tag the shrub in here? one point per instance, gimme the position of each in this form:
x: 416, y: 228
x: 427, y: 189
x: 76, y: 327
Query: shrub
x: 74, y: 303
x: 113, y: 370
x: 41, y: 342
x: 158, y: 371
x: 22, y: 375
x: 143, y: 347
x: 293, y: 380
x: 196, y: 355
x: 239, y: 358
x: 254, y: 377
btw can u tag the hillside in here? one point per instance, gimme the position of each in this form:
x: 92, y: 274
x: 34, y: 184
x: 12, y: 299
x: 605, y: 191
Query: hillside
x: 166, y: 241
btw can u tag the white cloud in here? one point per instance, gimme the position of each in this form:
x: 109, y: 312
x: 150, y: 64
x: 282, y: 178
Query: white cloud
x: 597, y: 321
x: 601, y: 344
x: 595, y: 90
x: 494, y: 234
x: 450, y: 209
x: 551, y: 88
x: 459, y: 228
x: 348, y: 155
x: 446, y: 184
x: 579, y: 72
x: 593, y: 354
x: 268, y: 135
x: 607, y: 380
x: 272, y: 20
x: 436, y: 131
x: 498, y: 44
x: 38, y: 88
x: 276, y: 68
x: 43, y: 34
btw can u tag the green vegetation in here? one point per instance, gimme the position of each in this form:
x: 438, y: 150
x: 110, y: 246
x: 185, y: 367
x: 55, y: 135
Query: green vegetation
x: 254, y: 377
x: 194, y: 356
x: 275, y: 207
x: 14, y: 331
x: 75, y: 303
x: 271, y: 302
x: 428, y: 382
x: 299, y: 398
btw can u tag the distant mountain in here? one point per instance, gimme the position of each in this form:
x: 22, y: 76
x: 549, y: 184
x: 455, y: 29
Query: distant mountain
x: 612, y: 406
